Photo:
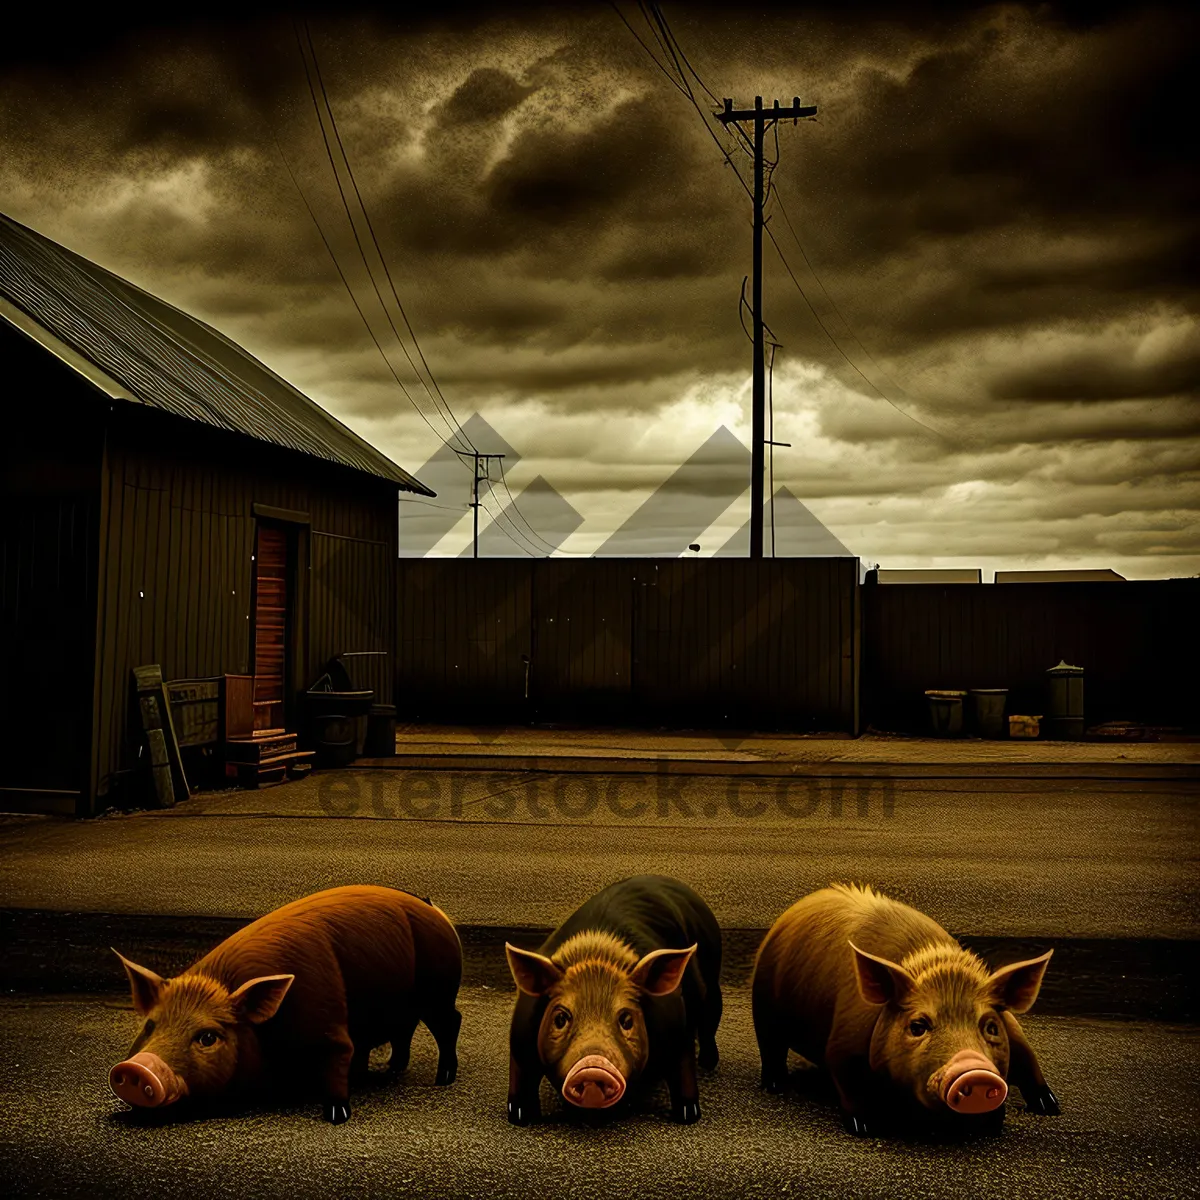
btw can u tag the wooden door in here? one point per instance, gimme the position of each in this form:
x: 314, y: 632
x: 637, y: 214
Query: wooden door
x: 272, y: 611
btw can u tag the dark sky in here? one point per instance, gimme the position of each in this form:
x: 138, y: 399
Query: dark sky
x: 1000, y: 204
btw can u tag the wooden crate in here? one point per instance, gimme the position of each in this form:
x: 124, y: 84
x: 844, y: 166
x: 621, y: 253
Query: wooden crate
x: 195, y: 710
x: 238, y: 718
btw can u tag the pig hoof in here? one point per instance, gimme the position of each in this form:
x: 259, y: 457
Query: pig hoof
x: 687, y: 1113
x: 446, y: 1075
x: 775, y: 1084
x: 1043, y: 1102
x: 858, y: 1126
x: 708, y: 1058
x: 337, y: 1111
x: 522, y: 1112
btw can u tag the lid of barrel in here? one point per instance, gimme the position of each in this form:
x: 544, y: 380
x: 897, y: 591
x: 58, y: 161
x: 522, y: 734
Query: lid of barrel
x: 383, y: 710
x: 1064, y: 668
x: 989, y: 691
x: 944, y: 694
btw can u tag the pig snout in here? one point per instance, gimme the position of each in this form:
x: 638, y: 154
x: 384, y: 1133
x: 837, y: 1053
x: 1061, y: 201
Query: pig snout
x: 593, y: 1082
x: 145, y: 1081
x: 970, y: 1084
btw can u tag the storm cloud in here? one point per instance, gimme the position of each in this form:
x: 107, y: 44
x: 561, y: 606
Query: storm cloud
x: 993, y: 362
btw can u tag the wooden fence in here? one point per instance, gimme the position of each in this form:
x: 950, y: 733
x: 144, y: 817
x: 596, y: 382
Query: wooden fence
x: 706, y: 642
x: 1137, y: 642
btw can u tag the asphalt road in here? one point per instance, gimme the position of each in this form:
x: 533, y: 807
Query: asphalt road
x: 1010, y: 859
x: 1129, y: 1094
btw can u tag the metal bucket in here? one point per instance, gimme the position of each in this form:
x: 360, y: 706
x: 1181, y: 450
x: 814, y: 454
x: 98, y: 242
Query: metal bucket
x: 987, y: 711
x: 945, y: 712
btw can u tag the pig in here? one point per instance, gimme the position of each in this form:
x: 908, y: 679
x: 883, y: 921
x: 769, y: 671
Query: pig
x: 896, y: 1011
x: 303, y: 995
x: 619, y: 992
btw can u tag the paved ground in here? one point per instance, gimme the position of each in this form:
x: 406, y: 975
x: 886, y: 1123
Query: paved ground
x: 618, y: 743
x: 430, y: 746
x: 1015, y: 860
x: 1129, y: 1095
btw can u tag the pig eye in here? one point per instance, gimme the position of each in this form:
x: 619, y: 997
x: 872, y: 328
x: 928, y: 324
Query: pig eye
x: 625, y: 1020
x: 992, y: 1029
x: 561, y: 1018
x: 207, y: 1037
x: 919, y: 1027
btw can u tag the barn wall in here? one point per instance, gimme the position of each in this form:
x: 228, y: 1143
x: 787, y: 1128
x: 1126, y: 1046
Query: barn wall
x: 1138, y: 643
x: 177, y: 534
x: 719, y: 642
x: 49, y: 492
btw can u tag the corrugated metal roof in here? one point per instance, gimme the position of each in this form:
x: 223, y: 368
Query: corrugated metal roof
x: 169, y: 360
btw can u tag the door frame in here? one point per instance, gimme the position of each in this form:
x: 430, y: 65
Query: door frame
x: 296, y: 527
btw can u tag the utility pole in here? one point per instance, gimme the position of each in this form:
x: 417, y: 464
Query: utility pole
x: 762, y: 117
x: 478, y: 479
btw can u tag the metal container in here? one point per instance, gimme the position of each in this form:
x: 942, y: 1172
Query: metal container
x: 381, y: 731
x: 987, y: 711
x: 945, y: 712
x: 1064, y: 708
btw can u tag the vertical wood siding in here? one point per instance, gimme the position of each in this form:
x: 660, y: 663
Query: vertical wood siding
x: 177, y: 535
x: 717, y: 641
x: 1138, y: 643
x: 47, y: 594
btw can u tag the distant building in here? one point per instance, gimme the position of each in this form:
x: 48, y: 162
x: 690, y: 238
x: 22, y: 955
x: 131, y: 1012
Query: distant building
x: 164, y: 498
x: 929, y: 575
x: 1104, y: 575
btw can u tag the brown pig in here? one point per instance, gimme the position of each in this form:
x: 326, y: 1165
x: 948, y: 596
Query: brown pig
x: 304, y: 994
x: 620, y: 992
x: 895, y: 1009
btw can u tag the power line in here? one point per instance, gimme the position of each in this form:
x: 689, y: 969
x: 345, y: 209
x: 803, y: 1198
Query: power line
x: 778, y: 249
x: 458, y: 429
x: 350, y: 290
x: 455, y: 427
x: 349, y: 215
x: 499, y: 518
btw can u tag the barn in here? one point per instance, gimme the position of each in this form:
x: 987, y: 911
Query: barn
x: 167, y: 499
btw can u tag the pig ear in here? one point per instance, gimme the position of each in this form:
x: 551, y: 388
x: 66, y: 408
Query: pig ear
x: 258, y: 1000
x: 661, y: 971
x: 534, y: 973
x: 144, y: 984
x: 1016, y: 986
x: 880, y: 981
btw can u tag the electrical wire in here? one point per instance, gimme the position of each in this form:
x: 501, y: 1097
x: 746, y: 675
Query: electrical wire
x: 779, y: 250
x: 349, y: 216
x: 435, y: 393
x: 350, y: 291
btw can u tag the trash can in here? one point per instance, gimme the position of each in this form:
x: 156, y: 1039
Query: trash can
x: 334, y: 738
x: 336, y: 721
x: 987, y: 711
x: 381, y: 731
x: 945, y: 712
x: 1064, y: 706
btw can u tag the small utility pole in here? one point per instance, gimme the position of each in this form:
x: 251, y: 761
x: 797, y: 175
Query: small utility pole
x: 762, y: 117
x: 478, y: 479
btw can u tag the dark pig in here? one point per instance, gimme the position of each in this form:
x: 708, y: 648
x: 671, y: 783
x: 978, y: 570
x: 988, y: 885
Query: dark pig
x: 619, y: 992
x: 303, y: 994
x: 895, y: 1009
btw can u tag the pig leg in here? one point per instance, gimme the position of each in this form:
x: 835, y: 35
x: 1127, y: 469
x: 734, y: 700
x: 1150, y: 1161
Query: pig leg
x: 444, y: 1024
x: 524, y: 1079
x: 402, y: 1036
x: 685, y: 1092
x: 773, y: 1051
x: 1024, y: 1071
x: 710, y: 1018
x: 338, y: 1053
x: 850, y: 1075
